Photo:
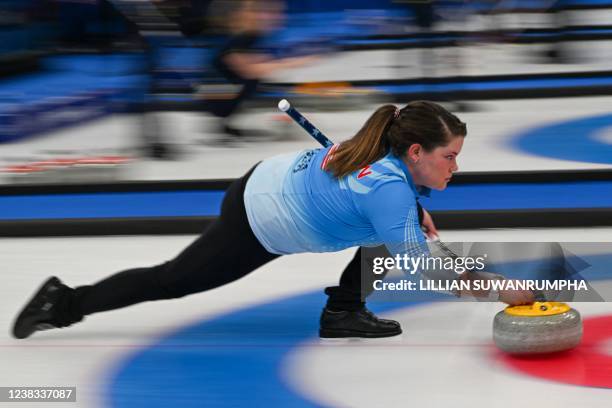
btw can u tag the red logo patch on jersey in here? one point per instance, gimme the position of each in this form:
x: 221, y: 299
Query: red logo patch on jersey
x: 364, y: 172
x: 328, y: 156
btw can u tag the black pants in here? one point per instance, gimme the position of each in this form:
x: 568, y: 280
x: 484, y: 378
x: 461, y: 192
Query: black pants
x: 354, y: 285
x: 224, y: 108
x: 225, y: 252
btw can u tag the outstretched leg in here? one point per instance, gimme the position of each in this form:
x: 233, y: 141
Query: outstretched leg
x: 226, y: 251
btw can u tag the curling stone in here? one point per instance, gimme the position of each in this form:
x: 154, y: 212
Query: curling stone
x: 541, y: 327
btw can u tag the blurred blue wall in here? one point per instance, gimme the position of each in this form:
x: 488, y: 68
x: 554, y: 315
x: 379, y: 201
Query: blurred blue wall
x: 306, y: 6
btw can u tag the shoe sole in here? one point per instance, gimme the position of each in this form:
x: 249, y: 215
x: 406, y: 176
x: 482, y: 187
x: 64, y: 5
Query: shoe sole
x: 19, y: 326
x: 342, y: 333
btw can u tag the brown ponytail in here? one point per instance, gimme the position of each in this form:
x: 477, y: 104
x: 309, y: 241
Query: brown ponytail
x: 422, y: 122
x: 367, y: 146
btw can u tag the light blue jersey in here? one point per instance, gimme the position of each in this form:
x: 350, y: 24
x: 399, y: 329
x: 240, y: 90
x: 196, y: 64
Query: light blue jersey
x: 294, y: 206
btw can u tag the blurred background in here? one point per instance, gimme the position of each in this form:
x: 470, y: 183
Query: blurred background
x: 132, y: 117
x: 106, y: 90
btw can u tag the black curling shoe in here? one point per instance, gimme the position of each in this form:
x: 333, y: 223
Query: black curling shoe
x: 360, y: 323
x: 38, y: 313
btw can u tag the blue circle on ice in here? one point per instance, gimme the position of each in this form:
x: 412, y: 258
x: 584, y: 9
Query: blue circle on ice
x: 575, y: 140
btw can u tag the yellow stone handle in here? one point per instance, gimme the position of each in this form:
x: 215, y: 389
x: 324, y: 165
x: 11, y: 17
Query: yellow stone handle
x: 538, y: 309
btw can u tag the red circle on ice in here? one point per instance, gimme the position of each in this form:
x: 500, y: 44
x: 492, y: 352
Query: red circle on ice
x: 589, y: 364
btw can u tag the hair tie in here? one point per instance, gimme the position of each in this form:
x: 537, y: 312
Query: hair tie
x: 396, y: 113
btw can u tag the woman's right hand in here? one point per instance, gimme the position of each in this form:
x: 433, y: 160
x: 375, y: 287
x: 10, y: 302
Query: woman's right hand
x: 516, y: 297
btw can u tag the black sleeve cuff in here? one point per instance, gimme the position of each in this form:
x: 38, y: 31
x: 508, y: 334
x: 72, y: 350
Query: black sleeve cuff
x: 420, y: 211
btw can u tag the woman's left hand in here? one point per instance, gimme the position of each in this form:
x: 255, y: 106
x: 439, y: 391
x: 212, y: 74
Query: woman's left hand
x: 429, y: 228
